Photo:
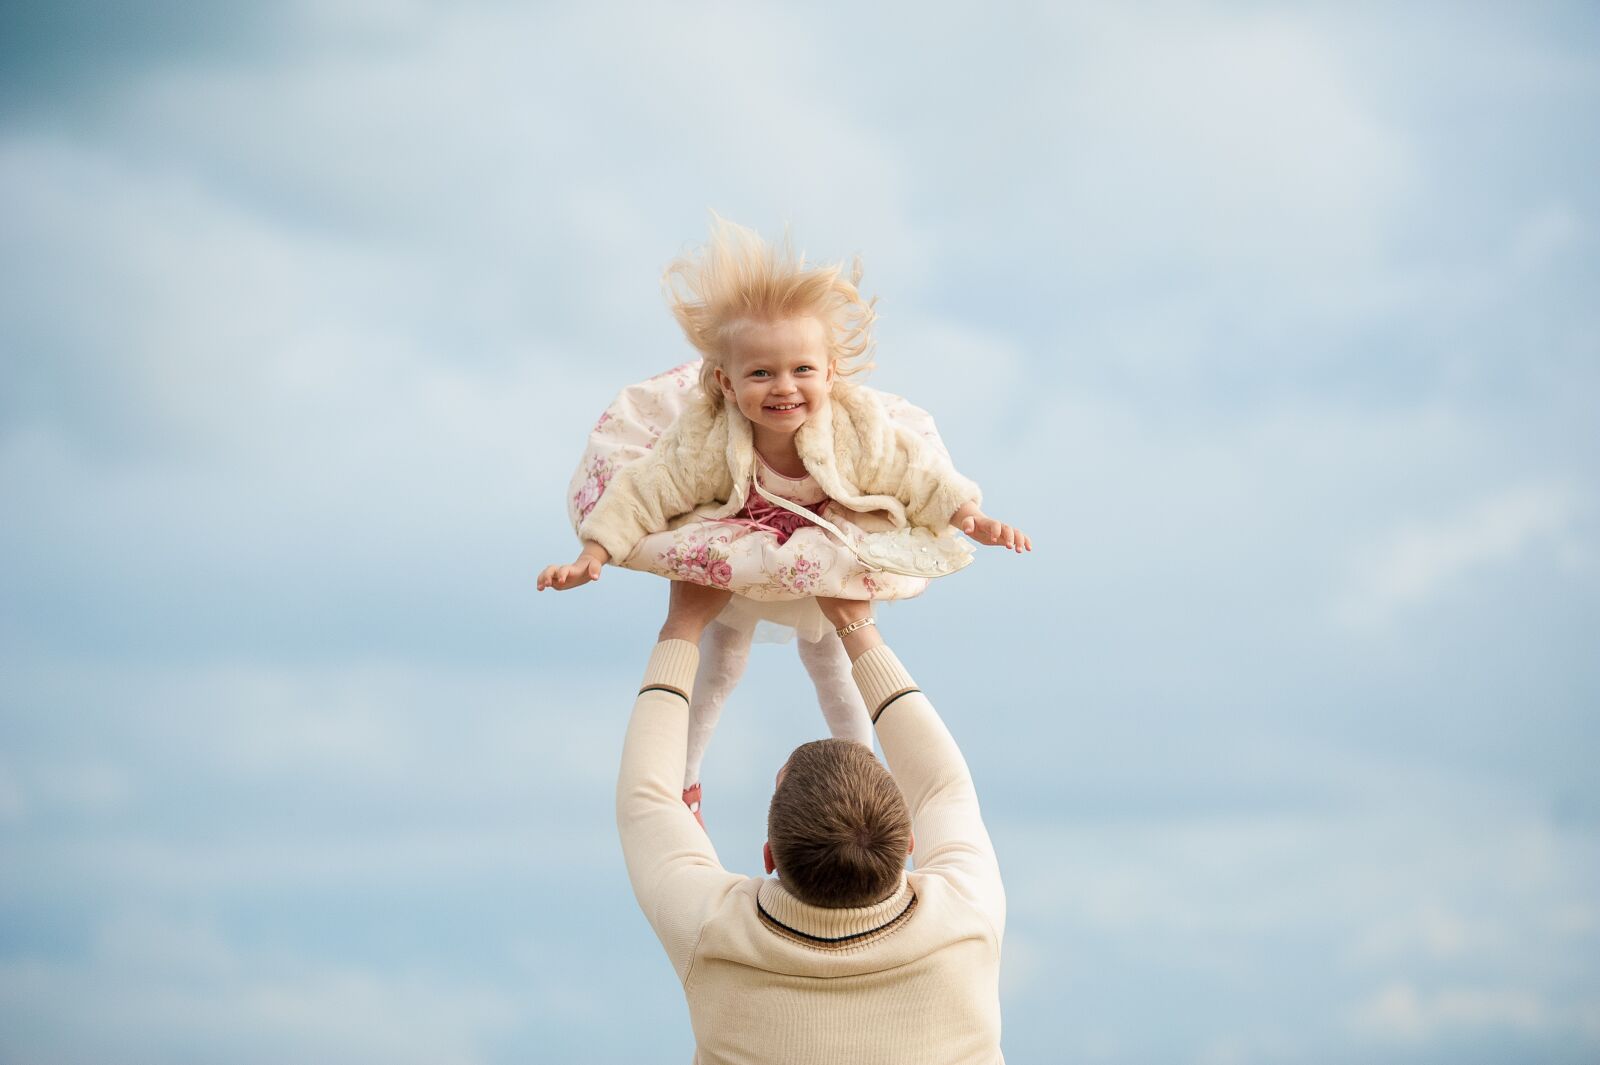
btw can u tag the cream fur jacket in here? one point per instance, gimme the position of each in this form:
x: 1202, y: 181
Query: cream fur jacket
x: 860, y: 457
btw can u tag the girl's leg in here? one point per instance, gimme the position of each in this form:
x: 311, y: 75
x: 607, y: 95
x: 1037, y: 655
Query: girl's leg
x: 723, y: 654
x: 837, y: 693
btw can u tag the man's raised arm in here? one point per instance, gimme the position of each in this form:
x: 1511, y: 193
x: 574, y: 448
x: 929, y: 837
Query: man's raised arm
x: 950, y: 837
x: 674, y: 869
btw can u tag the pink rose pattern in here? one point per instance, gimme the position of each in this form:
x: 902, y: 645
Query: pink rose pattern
x: 594, y: 484
x: 799, y: 576
x: 682, y: 375
x: 699, y: 558
x: 751, y: 563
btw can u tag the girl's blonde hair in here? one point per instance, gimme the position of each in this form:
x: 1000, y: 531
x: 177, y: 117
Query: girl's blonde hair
x: 737, y: 276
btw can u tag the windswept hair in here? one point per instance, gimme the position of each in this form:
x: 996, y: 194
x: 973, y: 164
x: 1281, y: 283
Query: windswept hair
x: 838, y: 826
x: 736, y: 276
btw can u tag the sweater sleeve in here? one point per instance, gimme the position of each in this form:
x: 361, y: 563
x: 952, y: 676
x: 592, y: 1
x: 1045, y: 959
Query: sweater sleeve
x: 676, y: 876
x: 951, y: 840
x: 645, y: 495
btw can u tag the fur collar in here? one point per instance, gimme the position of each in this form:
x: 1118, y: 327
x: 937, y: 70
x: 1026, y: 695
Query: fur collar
x: 851, y: 429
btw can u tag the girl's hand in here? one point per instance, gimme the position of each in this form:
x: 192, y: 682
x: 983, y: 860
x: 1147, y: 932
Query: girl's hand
x: 584, y: 569
x: 995, y: 533
x: 561, y: 578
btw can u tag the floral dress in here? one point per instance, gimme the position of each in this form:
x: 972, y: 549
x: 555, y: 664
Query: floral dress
x: 775, y: 562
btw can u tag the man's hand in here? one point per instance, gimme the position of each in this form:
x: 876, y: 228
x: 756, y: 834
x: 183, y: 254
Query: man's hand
x: 841, y: 612
x: 690, y: 608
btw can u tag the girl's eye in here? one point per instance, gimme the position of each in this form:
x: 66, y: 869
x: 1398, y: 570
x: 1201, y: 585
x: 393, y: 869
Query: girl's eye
x: 758, y: 373
x: 804, y: 369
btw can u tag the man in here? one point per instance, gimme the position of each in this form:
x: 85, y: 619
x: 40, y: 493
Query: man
x: 844, y: 956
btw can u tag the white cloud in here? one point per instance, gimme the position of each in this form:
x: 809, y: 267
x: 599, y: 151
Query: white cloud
x: 1432, y: 931
x: 188, y: 782
x: 222, y: 328
x: 161, y: 989
x: 1260, y: 872
x: 483, y: 735
x: 1021, y: 964
x: 95, y: 787
x: 1401, y: 1011
x: 513, y: 139
x: 1424, y: 559
x: 1574, y: 919
x: 964, y: 376
x: 1208, y: 913
x: 1544, y: 236
x: 1237, y: 141
x: 1268, y: 1046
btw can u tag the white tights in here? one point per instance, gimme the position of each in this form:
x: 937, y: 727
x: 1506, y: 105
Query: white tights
x: 723, y: 655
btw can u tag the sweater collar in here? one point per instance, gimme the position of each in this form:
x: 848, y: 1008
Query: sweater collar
x: 832, y: 927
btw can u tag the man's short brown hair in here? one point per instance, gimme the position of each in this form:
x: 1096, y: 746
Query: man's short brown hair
x: 838, y: 826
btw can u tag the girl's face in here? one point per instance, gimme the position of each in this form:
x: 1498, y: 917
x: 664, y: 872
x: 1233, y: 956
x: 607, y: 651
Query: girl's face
x: 778, y: 373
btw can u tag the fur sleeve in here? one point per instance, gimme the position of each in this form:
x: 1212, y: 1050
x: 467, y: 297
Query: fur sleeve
x: 894, y: 460
x: 680, y: 473
x: 930, y: 487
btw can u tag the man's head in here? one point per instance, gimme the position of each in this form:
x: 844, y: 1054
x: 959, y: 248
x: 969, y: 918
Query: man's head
x: 838, y: 831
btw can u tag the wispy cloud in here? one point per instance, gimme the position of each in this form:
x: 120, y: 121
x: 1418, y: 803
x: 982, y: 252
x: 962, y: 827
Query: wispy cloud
x: 1401, y: 1011
x: 147, y: 977
x: 1422, y: 560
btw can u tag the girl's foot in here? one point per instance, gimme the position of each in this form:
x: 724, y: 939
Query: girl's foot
x: 691, y: 799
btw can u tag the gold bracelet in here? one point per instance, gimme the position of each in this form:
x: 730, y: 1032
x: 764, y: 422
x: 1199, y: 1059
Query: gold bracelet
x: 854, y: 625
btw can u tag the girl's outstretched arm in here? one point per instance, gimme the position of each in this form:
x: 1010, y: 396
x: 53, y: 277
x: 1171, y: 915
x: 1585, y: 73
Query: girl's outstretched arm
x: 986, y: 530
x: 584, y: 569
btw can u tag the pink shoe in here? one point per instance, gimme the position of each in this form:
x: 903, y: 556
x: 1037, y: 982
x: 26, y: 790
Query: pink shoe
x: 691, y: 799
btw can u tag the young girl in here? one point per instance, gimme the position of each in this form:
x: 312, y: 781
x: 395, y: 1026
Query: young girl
x: 778, y: 478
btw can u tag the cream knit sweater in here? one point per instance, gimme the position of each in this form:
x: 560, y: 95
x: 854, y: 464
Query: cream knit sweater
x: 913, y: 979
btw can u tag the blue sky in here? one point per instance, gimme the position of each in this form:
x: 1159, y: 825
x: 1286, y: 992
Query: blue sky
x: 1273, y: 324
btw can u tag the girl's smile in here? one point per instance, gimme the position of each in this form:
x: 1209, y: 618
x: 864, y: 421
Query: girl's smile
x: 778, y: 374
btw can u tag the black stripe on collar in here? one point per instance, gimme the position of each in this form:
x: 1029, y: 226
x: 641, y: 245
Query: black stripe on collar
x: 835, y: 940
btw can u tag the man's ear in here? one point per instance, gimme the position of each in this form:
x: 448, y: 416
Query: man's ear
x: 766, y: 858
